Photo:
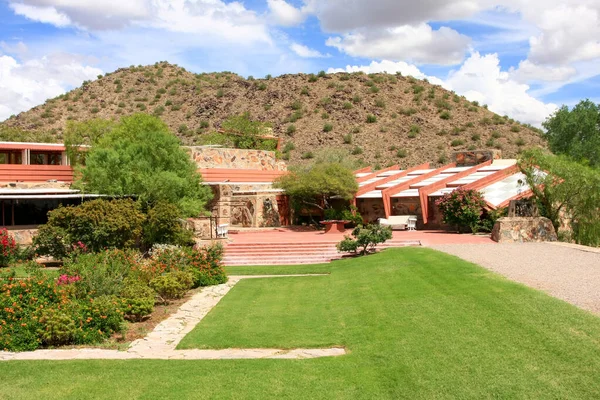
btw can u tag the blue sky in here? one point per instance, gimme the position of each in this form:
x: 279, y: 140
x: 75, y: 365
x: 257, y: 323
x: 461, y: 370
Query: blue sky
x: 523, y: 58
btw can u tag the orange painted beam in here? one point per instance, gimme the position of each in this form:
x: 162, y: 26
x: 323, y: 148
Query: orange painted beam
x: 374, y: 174
x: 389, y: 192
x: 372, y: 186
x: 425, y: 191
x: 505, y: 203
x: 363, y: 170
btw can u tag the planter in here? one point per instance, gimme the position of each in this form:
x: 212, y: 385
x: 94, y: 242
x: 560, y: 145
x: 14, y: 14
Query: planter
x: 334, y: 226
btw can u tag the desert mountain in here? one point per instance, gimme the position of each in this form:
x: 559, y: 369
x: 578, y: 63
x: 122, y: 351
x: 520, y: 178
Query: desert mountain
x: 379, y: 118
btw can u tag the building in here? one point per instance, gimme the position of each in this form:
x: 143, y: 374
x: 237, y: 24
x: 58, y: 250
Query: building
x: 413, y: 191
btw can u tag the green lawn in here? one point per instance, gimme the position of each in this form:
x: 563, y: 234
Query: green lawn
x: 279, y: 269
x: 417, y: 324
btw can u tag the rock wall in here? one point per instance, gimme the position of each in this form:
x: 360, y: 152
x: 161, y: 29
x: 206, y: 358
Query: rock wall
x: 523, y: 229
x: 214, y: 157
x: 475, y: 157
x: 23, y: 237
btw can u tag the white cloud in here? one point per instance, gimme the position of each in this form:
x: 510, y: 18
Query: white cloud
x: 420, y: 44
x: 388, y: 67
x: 481, y: 79
x: 285, y: 14
x: 306, y: 52
x: 348, y: 15
x: 48, y: 15
x: 229, y: 21
x: 569, y: 34
x: 28, y: 84
x: 530, y: 72
x: 91, y: 14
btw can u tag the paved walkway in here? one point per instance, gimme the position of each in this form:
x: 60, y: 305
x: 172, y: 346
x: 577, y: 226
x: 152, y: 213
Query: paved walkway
x: 570, y: 273
x: 162, y: 341
x: 288, y: 235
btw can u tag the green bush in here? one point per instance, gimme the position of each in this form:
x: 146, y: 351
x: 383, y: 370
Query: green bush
x: 365, y: 239
x: 58, y: 328
x: 371, y: 119
x: 327, y: 128
x: 137, y: 300
x: 172, y: 285
x: 98, y: 224
x: 163, y: 225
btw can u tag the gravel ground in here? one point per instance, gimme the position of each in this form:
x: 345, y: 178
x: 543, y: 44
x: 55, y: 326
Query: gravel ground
x: 567, y: 273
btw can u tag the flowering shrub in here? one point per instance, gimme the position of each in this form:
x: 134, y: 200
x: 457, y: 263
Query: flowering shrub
x: 37, y: 311
x: 204, y: 264
x: 8, y: 248
x: 65, y: 279
x: 96, y: 292
x: 462, y: 208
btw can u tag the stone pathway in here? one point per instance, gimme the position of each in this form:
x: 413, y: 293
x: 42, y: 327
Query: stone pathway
x: 162, y: 341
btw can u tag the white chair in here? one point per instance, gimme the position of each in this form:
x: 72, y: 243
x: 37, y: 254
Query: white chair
x: 412, y: 223
x: 222, y: 230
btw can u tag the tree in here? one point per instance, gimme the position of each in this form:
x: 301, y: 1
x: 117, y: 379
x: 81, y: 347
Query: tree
x: 247, y: 132
x: 139, y: 156
x: 576, y: 133
x: 317, y: 183
x: 565, y: 190
x: 78, y: 134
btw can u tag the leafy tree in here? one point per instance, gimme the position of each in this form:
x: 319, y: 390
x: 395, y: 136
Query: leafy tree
x: 317, y: 183
x: 566, y: 190
x: 576, y: 132
x: 139, y: 156
x: 247, y: 131
x: 78, y: 134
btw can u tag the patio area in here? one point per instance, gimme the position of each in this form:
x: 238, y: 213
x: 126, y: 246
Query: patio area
x: 307, y: 235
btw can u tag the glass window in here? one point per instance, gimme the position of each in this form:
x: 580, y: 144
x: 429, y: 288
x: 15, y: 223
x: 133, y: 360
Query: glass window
x: 38, y: 158
x: 3, y: 158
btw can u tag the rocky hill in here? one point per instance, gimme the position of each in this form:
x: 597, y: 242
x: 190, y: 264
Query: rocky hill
x: 380, y: 119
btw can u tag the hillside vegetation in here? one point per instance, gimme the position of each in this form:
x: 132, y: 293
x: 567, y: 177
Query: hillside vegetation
x: 380, y: 119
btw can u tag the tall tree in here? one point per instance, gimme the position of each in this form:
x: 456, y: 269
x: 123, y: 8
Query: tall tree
x: 315, y: 184
x: 565, y: 191
x: 576, y: 132
x: 140, y: 156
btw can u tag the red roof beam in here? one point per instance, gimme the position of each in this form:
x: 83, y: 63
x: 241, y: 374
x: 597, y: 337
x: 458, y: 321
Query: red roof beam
x: 363, y: 170
x: 425, y: 191
x: 373, y: 186
x: 389, y: 192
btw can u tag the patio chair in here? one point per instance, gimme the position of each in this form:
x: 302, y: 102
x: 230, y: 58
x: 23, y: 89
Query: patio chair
x: 222, y: 230
x: 412, y: 223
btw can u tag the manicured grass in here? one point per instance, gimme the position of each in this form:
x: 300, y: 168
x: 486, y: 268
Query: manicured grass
x: 21, y: 271
x: 417, y: 324
x: 279, y: 269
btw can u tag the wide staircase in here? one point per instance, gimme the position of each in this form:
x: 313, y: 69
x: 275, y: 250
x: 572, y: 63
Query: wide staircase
x: 292, y: 253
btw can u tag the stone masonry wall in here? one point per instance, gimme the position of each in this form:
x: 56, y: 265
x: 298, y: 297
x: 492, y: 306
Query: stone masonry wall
x: 213, y: 157
x: 475, y: 157
x: 523, y: 229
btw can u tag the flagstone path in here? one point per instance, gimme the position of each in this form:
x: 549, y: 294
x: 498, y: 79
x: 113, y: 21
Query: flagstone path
x: 162, y: 341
